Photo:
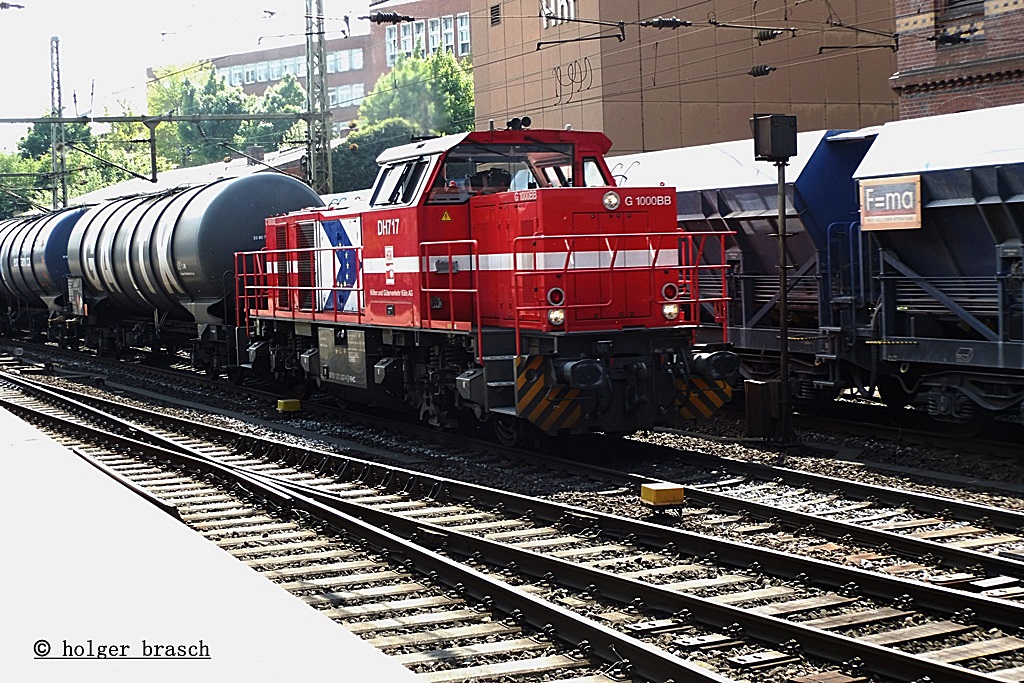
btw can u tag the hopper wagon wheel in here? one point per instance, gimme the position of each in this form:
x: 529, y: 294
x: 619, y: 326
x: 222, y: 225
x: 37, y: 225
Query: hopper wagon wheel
x: 893, y: 394
x: 508, y: 429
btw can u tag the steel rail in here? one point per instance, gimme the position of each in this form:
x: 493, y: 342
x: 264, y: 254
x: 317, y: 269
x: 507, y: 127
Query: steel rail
x: 1001, y: 518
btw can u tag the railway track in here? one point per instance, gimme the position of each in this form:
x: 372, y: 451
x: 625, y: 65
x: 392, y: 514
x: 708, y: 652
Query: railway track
x: 440, y: 618
x: 726, y: 604
x: 939, y: 540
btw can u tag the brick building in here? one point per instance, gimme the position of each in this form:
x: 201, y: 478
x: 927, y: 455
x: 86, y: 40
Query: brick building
x: 351, y: 66
x: 438, y: 25
x: 957, y: 55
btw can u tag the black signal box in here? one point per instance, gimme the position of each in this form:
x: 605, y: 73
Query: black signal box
x: 774, y: 136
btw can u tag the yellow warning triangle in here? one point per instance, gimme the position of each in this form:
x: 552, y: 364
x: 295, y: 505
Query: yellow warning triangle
x: 446, y: 217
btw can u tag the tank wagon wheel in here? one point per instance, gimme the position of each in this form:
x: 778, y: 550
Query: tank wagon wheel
x: 508, y: 429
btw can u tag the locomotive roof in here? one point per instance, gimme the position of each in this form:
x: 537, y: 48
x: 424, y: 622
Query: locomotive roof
x: 984, y: 137
x: 598, y: 141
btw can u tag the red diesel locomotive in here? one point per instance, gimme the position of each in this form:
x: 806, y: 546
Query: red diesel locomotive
x: 495, y: 276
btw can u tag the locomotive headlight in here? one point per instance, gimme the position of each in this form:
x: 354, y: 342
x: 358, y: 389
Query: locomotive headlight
x: 670, y: 311
x: 556, y: 316
x: 611, y: 201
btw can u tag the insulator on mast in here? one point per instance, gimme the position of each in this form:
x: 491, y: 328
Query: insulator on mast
x: 761, y: 70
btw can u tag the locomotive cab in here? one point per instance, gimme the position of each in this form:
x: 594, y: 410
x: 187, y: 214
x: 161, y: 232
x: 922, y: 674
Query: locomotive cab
x: 498, y: 274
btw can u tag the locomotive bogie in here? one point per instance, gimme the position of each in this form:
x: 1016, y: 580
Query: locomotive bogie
x: 558, y: 385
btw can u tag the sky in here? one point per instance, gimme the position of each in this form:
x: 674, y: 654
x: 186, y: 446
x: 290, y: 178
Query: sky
x: 106, y: 46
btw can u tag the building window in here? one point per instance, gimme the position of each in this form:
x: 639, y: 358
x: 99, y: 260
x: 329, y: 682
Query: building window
x: 262, y: 72
x: 332, y: 97
x: 407, y: 40
x: 344, y: 96
x: 332, y: 62
x: 358, y: 93
x: 276, y: 70
x: 419, y: 38
x: 250, y: 73
x: 237, y: 75
x: 434, y: 26
x: 495, y: 15
x: 962, y: 8
x: 448, y: 33
x: 463, y: 33
x: 391, y: 44
x: 288, y: 66
x: 356, y: 57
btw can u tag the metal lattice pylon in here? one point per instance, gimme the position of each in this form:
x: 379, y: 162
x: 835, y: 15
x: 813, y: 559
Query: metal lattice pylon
x: 319, y: 143
x: 58, y: 159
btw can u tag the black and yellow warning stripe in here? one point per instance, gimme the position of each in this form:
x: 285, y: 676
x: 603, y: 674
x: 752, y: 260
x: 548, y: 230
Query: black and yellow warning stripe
x: 701, y: 398
x: 539, y: 401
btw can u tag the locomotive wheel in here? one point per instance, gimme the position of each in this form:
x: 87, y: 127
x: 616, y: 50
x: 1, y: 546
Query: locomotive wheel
x: 508, y: 429
x: 294, y: 388
x: 813, y: 407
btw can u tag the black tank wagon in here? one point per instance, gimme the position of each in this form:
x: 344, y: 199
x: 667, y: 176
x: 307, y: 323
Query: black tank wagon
x: 148, y: 270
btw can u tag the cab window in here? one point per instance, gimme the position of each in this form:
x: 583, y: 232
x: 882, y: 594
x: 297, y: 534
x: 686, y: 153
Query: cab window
x: 398, y: 183
x: 474, y: 168
x: 593, y: 176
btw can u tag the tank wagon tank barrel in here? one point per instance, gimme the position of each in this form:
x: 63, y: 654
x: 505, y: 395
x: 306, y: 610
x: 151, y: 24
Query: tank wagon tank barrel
x: 33, y: 256
x: 169, y: 252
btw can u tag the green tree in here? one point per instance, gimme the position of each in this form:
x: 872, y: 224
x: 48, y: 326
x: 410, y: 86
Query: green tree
x: 419, y: 96
x: 20, y: 187
x: 164, y: 95
x: 436, y: 93
x: 286, y: 97
x: 354, y: 163
x: 202, y: 141
x: 37, y: 142
x: 451, y: 82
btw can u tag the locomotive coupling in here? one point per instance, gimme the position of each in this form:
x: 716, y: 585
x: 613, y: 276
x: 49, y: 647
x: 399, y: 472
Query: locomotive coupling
x: 716, y: 365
